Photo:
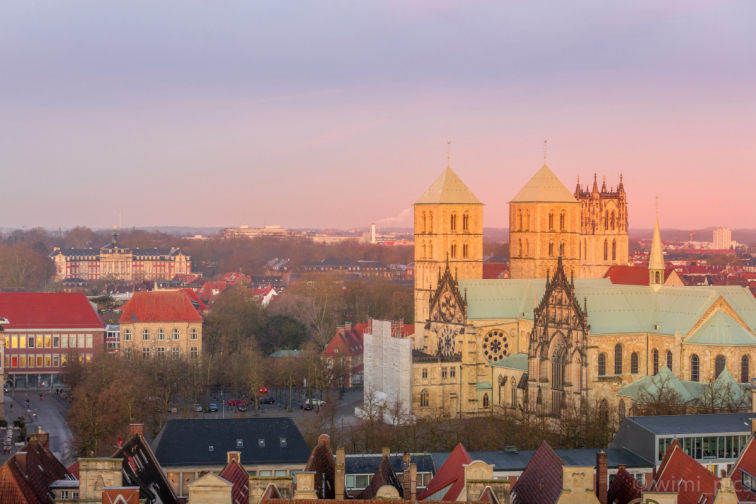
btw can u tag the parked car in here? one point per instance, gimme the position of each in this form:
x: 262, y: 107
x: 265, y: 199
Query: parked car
x: 305, y: 406
x: 235, y: 402
x: 213, y: 407
x: 198, y: 408
x: 242, y: 407
x: 267, y: 400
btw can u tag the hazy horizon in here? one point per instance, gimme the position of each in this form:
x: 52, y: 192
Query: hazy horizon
x: 336, y: 114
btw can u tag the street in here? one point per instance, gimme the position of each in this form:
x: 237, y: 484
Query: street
x: 50, y: 416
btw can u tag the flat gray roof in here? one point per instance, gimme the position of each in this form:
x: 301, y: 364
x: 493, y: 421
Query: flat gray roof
x: 670, y: 425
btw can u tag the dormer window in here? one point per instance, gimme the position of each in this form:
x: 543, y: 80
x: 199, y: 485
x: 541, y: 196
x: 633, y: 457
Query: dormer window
x: 261, y: 443
x: 240, y: 443
x: 210, y: 448
x: 283, y: 442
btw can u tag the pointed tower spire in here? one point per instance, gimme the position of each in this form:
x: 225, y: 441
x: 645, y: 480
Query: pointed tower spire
x: 595, y: 185
x: 603, y: 186
x: 577, y: 189
x: 621, y: 186
x: 656, y: 258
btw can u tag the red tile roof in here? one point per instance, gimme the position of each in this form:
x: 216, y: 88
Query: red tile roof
x: 493, y: 271
x: 32, y: 310
x: 678, y: 472
x: 208, y: 287
x: 235, y: 474
x: 161, y: 306
x: 633, y: 275
x: 30, y: 485
x: 196, y: 299
x: 74, y: 469
x: 344, y: 344
x: 234, y: 278
x: 451, y: 473
x: 624, y: 488
x: 746, y: 462
x: 541, y: 481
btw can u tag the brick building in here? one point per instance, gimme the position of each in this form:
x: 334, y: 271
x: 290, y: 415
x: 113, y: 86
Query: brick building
x: 162, y: 324
x: 45, y: 331
x: 116, y: 262
x: 344, y: 355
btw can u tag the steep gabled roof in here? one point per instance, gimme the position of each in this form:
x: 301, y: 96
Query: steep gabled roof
x: 541, y: 481
x: 450, y: 477
x: 344, y: 344
x: 384, y: 475
x: 544, y: 187
x: 235, y: 474
x: 29, y: 483
x: 678, y: 472
x: 141, y: 469
x: 650, y: 387
x: 160, y: 306
x: 39, y: 310
x: 656, y: 256
x: 746, y: 462
x: 448, y: 189
x: 633, y: 275
x: 722, y: 330
x: 624, y: 488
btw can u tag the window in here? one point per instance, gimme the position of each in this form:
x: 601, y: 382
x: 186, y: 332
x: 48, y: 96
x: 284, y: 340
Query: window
x: 280, y: 472
x: 64, y: 340
x: 602, y: 365
x: 160, y: 335
x: 606, y: 250
x: 193, y: 353
x: 63, y: 360
x: 454, y: 250
x: 551, y: 249
x: 240, y: 443
x: 175, y: 353
x: 634, y: 363
x: 193, y: 334
x: 444, y: 372
x: 22, y: 361
x: 453, y: 372
x: 618, y: 359
x: 56, y: 341
x: 561, y: 249
x: 527, y: 248
x: 562, y: 223
x: 551, y: 221
x: 719, y: 365
x: 669, y: 359
x: 56, y: 360
x: 127, y: 335
x: 454, y: 222
x: 744, y: 369
x: 14, y: 341
x: 145, y: 335
x: 265, y: 473
x: 430, y: 222
x: 465, y: 222
x: 613, y: 219
x: 425, y: 227
x: 486, y: 401
x: 283, y: 442
x: 519, y: 220
x: 424, y: 399
x: 330, y: 363
x: 694, y: 367
x: 656, y: 361
x: 614, y: 250
x: 40, y: 342
x: 40, y: 360
x: 430, y: 250
x: 81, y: 341
x: 89, y: 341
x: 465, y: 248
x: 145, y: 353
x: 48, y: 360
x: 519, y: 242
x: 621, y: 410
x: 261, y: 443
x: 748, y: 481
x: 48, y: 341
x: 424, y: 250
x: 161, y: 353
x: 425, y: 373
x: 22, y: 342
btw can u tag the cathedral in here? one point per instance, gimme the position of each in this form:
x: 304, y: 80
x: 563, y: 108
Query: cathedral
x: 558, y: 330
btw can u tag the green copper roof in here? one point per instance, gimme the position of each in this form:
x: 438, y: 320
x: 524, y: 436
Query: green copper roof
x: 649, y: 387
x: 721, y: 329
x: 518, y: 362
x: 612, y: 309
x: 448, y: 189
x: 544, y: 186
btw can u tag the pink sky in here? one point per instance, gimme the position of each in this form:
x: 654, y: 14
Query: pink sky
x: 336, y: 114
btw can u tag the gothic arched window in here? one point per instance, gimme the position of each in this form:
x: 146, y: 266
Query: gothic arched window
x: 613, y: 220
x: 453, y: 222
x: 657, y: 276
x: 621, y: 410
x: 465, y: 222
x: 614, y: 250
x: 527, y: 220
x: 602, y: 365
x: 606, y: 250
x: 562, y: 221
x: 694, y: 367
x: 719, y: 366
x: 424, y: 399
x: 465, y: 250
x: 744, y: 369
x: 430, y: 222
x: 454, y: 250
x: 634, y: 363
x: 551, y: 249
x: 519, y: 220
x: 551, y: 221
x: 618, y: 359
x: 520, y: 250
x: 425, y: 223
x: 656, y: 361
x: 561, y: 249
x: 486, y: 402
x: 669, y: 359
x: 527, y: 248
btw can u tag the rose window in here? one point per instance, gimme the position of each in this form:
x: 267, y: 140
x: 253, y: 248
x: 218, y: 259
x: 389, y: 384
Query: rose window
x: 495, y: 346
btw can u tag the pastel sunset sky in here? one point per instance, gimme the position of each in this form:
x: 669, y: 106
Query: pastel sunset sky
x: 337, y: 113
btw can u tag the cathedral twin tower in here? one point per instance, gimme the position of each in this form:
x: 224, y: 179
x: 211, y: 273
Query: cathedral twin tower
x: 587, y: 229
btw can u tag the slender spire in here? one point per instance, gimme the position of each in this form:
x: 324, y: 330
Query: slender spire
x: 595, y: 184
x: 603, y: 186
x: 577, y: 189
x: 656, y: 257
x: 621, y: 186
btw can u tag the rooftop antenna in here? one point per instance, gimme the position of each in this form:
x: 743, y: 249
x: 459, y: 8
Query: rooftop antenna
x: 545, y: 148
x: 448, y: 152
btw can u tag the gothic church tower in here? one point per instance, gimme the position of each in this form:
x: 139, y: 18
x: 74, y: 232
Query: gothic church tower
x: 448, y: 225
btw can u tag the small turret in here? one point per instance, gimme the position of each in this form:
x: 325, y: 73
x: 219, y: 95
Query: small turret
x: 603, y: 186
x: 621, y: 186
x: 595, y: 185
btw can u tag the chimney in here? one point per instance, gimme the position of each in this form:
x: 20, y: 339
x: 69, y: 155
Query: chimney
x: 386, y: 452
x: 136, y: 428
x: 413, y: 483
x: 601, y: 476
x: 21, y: 461
x: 406, y: 476
x: 233, y: 456
x: 347, y: 326
x: 44, y: 439
x: 340, y: 475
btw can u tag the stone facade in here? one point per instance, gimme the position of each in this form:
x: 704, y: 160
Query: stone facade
x: 167, y: 340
